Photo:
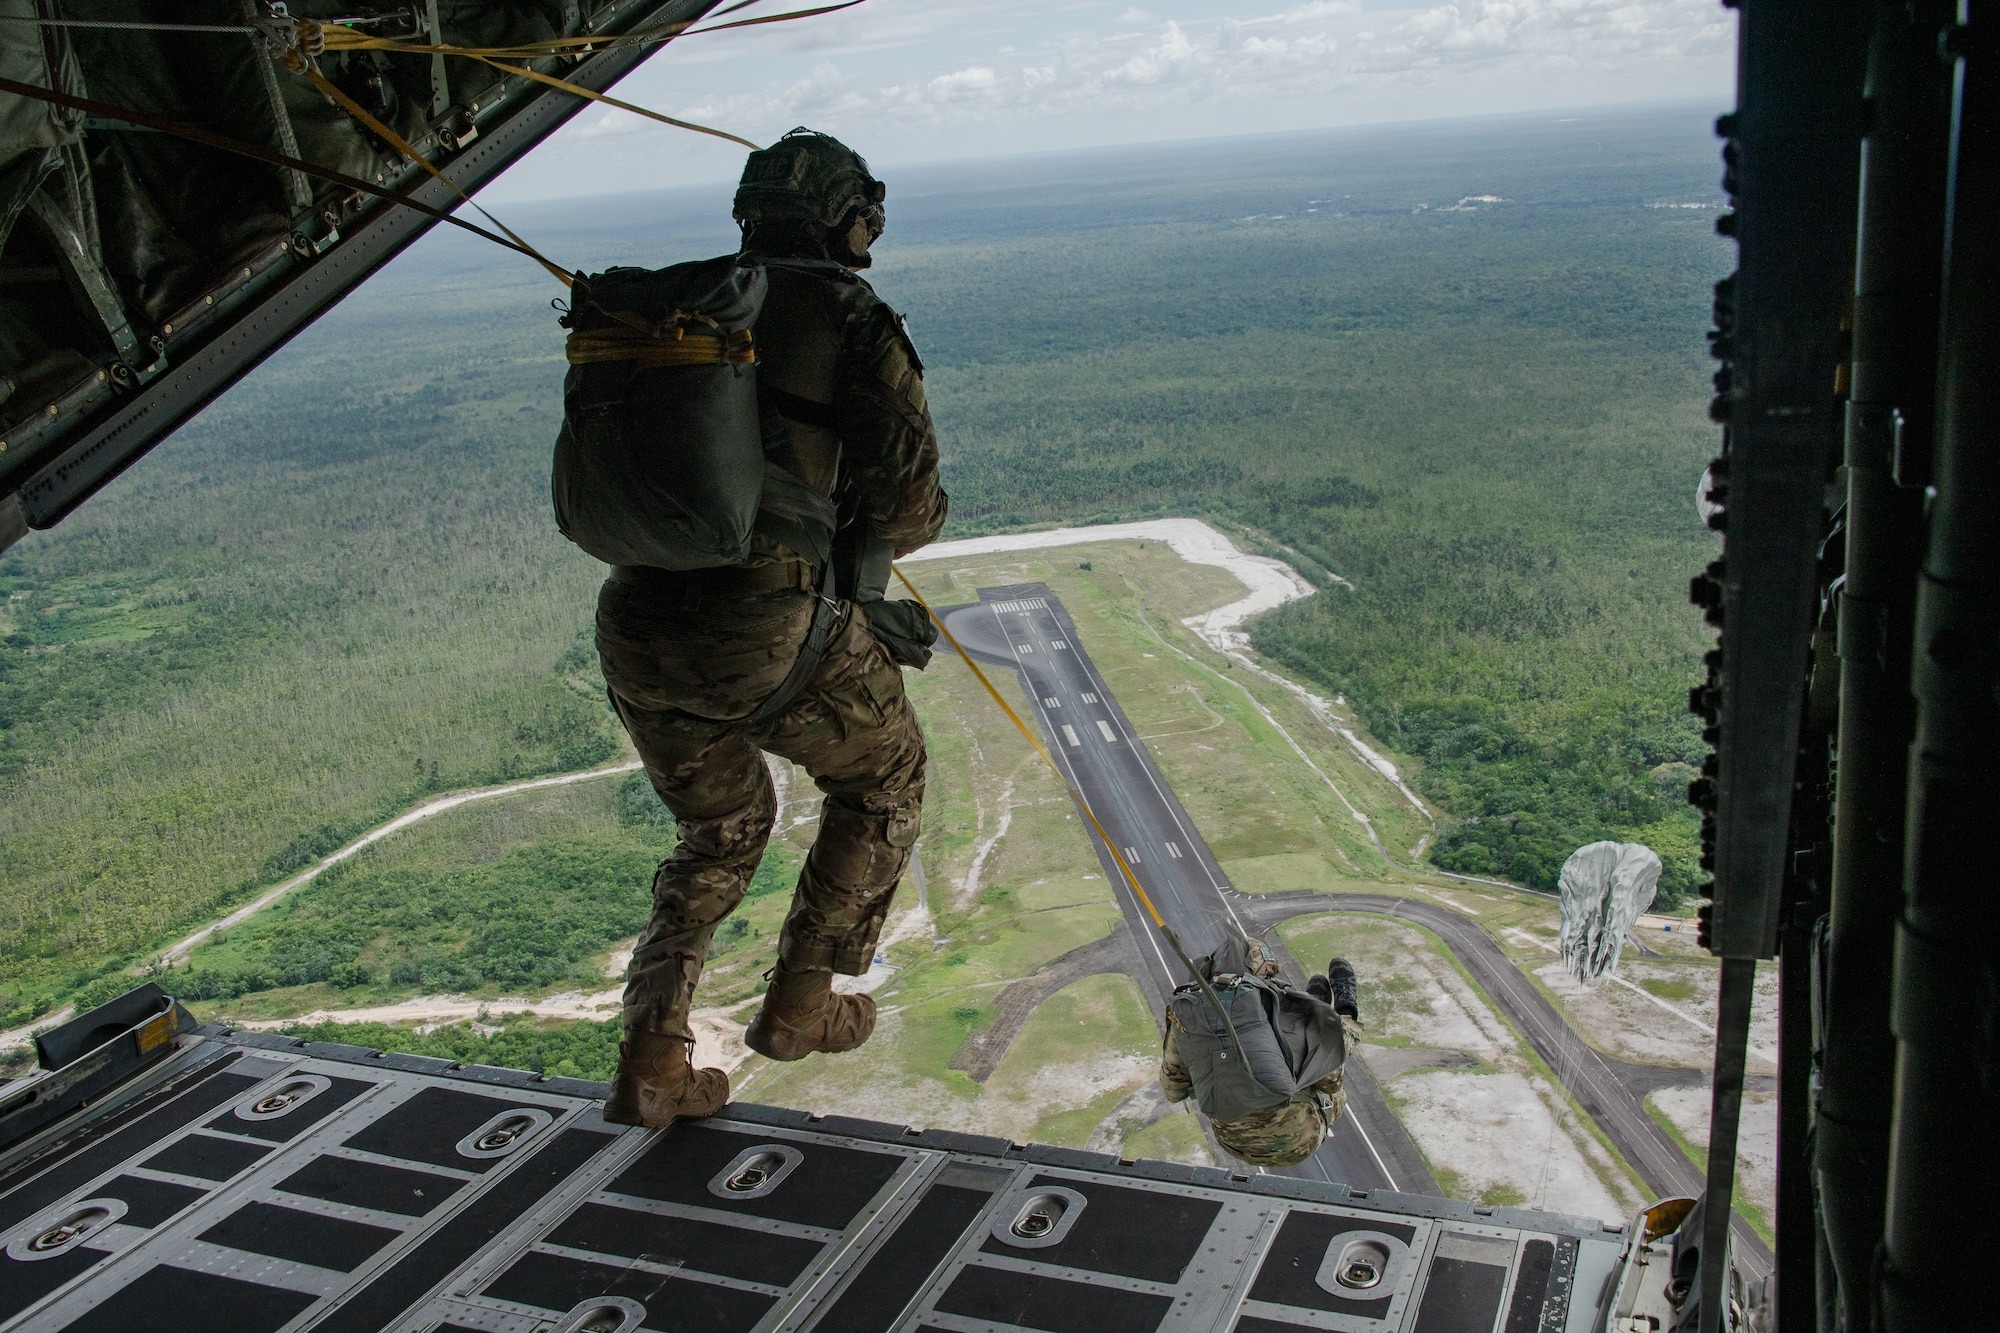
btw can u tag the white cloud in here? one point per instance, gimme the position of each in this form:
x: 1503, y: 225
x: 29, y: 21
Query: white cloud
x: 900, y: 76
x: 963, y: 84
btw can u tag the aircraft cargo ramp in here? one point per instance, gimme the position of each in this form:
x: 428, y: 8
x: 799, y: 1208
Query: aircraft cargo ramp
x: 255, y: 1183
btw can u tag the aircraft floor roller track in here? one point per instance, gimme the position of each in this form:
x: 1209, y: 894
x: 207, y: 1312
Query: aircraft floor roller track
x: 257, y: 1183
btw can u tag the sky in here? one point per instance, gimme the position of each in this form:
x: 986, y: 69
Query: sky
x: 921, y: 81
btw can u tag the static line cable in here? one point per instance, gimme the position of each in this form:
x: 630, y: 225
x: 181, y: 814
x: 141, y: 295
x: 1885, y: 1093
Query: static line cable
x: 122, y: 25
x: 272, y: 157
x: 1173, y: 941
x: 360, y: 113
x: 341, y: 38
x: 1027, y: 733
x: 565, y: 85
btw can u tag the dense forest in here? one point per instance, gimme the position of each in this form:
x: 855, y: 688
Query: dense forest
x: 1456, y: 369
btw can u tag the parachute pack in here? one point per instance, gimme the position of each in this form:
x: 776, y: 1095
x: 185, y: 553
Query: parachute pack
x: 662, y: 458
x: 1251, y: 1042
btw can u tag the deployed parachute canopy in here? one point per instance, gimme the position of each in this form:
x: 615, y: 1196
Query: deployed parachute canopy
x: 1604, y: 888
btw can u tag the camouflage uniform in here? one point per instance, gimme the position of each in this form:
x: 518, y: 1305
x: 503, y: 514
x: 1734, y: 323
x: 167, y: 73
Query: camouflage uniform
x: 686, y: 658
x: 1281, y: 1135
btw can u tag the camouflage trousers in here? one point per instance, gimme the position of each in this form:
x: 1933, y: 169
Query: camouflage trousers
x: 677, y: 673
x: 1279, y: 1135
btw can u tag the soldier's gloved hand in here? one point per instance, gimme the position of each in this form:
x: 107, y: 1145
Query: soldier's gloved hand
x: 904, y: 628
x: 1260, y: 962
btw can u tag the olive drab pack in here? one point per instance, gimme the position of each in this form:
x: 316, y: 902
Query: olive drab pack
x: 1258, y: 1043
x: 661, y: 459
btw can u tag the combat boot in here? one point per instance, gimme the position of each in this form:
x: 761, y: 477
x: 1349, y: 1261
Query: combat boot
x: 1342, y: 982
x: 655, y: 1083
x: 801, y: 1014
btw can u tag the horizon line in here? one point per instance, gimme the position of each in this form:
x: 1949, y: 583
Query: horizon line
x: 1550, y: 115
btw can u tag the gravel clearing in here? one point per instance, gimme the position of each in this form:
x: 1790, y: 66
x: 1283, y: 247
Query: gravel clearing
x: 1756, y: 1138
x: 1497, y: 1134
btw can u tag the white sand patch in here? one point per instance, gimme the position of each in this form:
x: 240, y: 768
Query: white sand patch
x: 913, y: 923
x: 1756, y: 1137
x: 1444, y: 1012
x: 433, y: 1011
x: 1408, y: 992
x: 874, y: 1087
x: 718, y: 1037
x: 968, y: 887
x: 1271, y: 582
x: 798, y: 799
x: 1626, y: 1020
x: 718, y: 1033
x: 1495, y: 1131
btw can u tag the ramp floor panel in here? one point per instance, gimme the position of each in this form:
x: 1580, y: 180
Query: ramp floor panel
x: 263, y: 1184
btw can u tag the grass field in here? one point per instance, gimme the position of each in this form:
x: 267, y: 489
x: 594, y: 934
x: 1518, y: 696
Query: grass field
x: 338, y: 590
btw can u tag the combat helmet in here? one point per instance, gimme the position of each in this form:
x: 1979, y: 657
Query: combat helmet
x: 806, y: 177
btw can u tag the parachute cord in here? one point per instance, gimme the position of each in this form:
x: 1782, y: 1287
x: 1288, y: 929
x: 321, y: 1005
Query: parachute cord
x: 523, y: 71
x: 271, y: 157
x: 340, y: 37
x: 1564, y: 1070
x: 396, y: 141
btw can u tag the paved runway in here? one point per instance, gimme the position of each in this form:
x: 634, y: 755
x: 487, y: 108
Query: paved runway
x: 1026, y: 628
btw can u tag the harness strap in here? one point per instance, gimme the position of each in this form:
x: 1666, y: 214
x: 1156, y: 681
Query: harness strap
x: 811, y: 652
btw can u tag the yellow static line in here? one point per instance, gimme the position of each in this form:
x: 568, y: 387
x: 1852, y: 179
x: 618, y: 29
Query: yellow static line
x: 1028, y: 734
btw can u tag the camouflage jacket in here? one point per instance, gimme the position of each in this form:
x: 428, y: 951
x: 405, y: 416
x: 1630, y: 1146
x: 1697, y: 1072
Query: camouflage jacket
x: 1281, y: 1135
x: 837, y: 373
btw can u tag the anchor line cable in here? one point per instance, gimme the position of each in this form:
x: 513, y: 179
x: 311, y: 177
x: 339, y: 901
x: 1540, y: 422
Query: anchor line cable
x: 396, y: 141
x: 269, y: 156
x: 305, y: 35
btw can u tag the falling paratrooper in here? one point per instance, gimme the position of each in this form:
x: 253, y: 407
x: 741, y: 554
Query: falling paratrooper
x: 1605, y: 886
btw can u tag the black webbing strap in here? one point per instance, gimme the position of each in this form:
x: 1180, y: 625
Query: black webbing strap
x: 270, y: 157
x: 825, y: 608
